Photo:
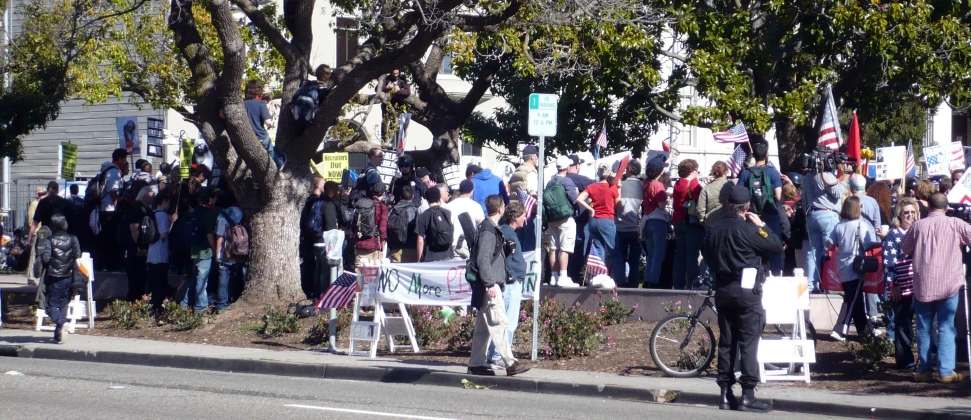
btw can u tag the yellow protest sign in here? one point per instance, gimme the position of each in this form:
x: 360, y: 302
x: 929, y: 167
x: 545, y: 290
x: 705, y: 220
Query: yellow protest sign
x: 185, y: 157
x: 317, y: 168
x: 69, y: 160
x: 334, y: 166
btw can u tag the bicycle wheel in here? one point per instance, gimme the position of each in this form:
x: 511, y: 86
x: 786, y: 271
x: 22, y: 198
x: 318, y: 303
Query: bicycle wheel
x: 681, y: 347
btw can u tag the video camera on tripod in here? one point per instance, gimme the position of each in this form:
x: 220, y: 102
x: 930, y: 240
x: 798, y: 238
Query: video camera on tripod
x: 961, y: 211
x: 826, y: 160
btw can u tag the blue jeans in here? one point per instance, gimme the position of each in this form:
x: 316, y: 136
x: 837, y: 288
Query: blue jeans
x: 230, y: 283
x: 819, y: 224
x: 944, y: 311
x: 690, y: 237
x: 776, y: 261
x: 575, y: 266
x: 196, y: 295
x: 655, y: 244
x: 58, y: 295
x: 512, y: 297
x: 627, y: 251
x: 603, y: 234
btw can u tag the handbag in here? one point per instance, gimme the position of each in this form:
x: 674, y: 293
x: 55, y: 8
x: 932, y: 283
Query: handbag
x: 303, y: 309
x: 863, y: 263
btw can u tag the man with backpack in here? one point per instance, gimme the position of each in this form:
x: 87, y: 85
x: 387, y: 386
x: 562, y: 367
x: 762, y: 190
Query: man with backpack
x: 370, y: 176
x: 232, y: 245
x: 435, y: 230
x: 764, y: 183
x: 402, y: 239
x: 371, y: 225
x: 561, y: 232
x: 142, y: 232
x: 200, y: 236
x: 101, y: 197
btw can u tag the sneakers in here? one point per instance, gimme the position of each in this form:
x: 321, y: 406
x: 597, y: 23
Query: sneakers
x: 953, y: 377
x: 923, y: 377
x: 566, y: 282
x: 497, y: 365
x: 517, y: 368
x: 554, y: 281
x: 837, y: 336
x: 59, y: 334
x: 877, y: 333
x: 482, y: 371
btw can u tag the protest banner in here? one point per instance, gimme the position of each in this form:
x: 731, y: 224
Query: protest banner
x: 185, y: 157
x: 961, y: 191
x: 957, y: 156
x: 69, y: 160
x: 890, y: 163
x: 128, y: 134
x: 334, y: 165
x: 439, y: 283
x: 938, y: 160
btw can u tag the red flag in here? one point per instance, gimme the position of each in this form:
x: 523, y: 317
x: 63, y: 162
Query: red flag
x: 621, y: 169
x: 853, y: 141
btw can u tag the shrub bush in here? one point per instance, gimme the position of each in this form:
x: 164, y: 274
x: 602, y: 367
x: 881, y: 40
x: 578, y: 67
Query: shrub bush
x: 459, y: 333
x: 429, y: 324
x: 278, y: 321
x: 181, y: 319
x: 613, y: 311
x: 871, y: 351
x: 122, y: 315
x: 569, y: 330
x: 320, y: 331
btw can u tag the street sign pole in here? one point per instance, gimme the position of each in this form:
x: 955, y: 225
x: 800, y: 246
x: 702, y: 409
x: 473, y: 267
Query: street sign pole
x: 539, y: 247
x: 542, y: 124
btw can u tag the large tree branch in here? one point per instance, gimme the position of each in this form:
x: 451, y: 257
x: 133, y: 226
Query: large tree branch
x: 271, y: 32
x: 484, y: 21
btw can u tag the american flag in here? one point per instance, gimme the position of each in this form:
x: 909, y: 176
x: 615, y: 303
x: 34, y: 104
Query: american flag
x: 340, y: 293
x: 911, y: 165
x: 829, y: 129
x: 957, y: 155
x: 595, y: 265
x: 736, y: 160
x: 529, y: 203
x: 602, y: 138
x: 736, y: 134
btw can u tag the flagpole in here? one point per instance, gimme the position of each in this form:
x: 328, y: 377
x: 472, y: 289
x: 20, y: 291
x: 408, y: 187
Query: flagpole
x: 539, y: 249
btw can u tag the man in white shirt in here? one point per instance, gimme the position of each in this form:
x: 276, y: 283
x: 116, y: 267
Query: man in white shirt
x: 463, y: 204
x: 114, y: 172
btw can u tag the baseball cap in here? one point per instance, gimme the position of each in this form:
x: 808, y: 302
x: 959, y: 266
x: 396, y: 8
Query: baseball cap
x: 40, y: 190
x: 422, y: 172
x: 466, y: 186
x: 656, y: 163
x: 563, y: 162
x: 858, y: 182
x: 530, y: 150
x: 576, y: 160
x: 739, y: 195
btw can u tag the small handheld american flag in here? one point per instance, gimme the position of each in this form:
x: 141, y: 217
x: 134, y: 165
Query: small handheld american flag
x: 529, y: 203
x: 340, y: 293
x: 736, y: 134
x: 595, y: 264
x: 736, y: 160
x: 911, y: 165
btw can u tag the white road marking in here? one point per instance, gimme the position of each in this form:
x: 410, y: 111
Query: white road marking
x: 375, y: 413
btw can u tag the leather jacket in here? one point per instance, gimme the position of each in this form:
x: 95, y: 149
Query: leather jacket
x: 60, y: 254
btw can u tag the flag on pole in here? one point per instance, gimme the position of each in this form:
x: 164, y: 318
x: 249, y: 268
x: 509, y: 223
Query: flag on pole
x: 853, y: 141
x: 529, y: 203
x: 595, y: 264
x: 737, y: 160
x: 600, y: 142
x: 911, y: 165
x: 829, y: 128
x: 340, y: 293
x: 736, y: 134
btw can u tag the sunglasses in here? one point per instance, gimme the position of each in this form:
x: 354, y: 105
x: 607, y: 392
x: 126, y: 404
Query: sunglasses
x: 908, y: 212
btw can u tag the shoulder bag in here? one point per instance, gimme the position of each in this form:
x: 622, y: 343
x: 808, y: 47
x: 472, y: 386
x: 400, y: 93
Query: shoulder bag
x: 863, y: 263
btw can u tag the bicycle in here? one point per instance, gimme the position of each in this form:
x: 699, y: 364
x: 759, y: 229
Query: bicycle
x: 679, y: 350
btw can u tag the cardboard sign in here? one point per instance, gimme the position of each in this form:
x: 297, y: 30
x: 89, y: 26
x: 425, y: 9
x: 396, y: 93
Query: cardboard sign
x: 155, y: 137
x: 961, y: 192
x: 364, y: 331
x: 938, y: 160
x: 890, y: 163
x: 389, y: 167
x: 185, y: 157
x: 453, y: 176
x: 334, y: 165
x: 69, y: 160
x: 368, y: 280
x: 128, y: 134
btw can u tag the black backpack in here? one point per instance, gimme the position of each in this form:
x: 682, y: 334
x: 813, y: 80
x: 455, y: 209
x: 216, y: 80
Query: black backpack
x: 148, y: 230
x: 364, y: 221
x: 401, y: 222
x: 440, y: 230
x: 93, y: 192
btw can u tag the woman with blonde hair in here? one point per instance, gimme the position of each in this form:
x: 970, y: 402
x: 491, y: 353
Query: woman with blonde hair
x: 898, y: 271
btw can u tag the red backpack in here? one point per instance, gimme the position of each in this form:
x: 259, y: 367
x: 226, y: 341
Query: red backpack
x: 236, y: 239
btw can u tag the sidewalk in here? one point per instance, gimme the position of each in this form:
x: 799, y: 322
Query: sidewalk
x: 80, y: 347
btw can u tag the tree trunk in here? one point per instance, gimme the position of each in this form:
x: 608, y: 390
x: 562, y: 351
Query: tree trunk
x: 274, y: 269
x: 792, y: 142
x: 445, y: 150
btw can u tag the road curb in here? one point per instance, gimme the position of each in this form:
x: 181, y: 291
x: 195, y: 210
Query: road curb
x: 425, y: 376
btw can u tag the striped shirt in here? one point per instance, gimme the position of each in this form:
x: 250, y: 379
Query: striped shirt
x: 934, y: 243
x: 898, y: 268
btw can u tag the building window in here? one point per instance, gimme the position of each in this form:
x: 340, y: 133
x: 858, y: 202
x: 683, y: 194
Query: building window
x: 346, y: 40
x: 446, y: 65
x: 469, y: 149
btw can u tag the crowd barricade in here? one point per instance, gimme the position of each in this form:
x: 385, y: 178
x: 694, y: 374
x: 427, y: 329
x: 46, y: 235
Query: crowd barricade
x: 786, y: 301
x: 440, y: 283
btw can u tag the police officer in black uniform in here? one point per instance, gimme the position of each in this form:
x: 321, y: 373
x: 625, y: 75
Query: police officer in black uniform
x: 739, y: 241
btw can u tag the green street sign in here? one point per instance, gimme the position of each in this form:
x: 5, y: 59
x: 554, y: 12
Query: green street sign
x: 542, y: 114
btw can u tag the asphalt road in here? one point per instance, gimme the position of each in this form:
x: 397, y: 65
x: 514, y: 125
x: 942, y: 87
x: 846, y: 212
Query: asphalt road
x: 68, y: 390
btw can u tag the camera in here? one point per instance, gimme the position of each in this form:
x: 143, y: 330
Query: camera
x: 509, y: 248
x: 825, y: 160
x: 961, y: 211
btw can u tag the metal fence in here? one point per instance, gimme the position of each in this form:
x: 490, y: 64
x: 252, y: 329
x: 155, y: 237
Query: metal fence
x: 21, y: 194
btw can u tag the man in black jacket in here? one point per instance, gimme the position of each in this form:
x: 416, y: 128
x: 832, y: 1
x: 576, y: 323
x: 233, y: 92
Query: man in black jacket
x: 308, y: 238
x: 59, y: 255
x: 736, y: 248
x: 328, y: 208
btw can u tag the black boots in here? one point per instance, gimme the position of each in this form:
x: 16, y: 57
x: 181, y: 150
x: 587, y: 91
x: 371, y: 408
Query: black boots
x: 749, y: 403
x: 728, y: 402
